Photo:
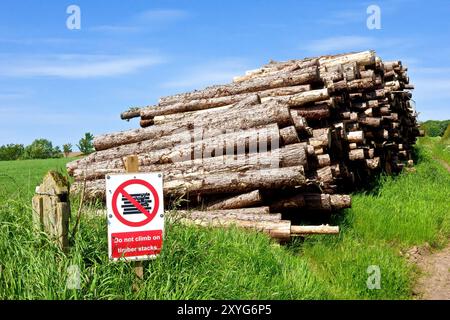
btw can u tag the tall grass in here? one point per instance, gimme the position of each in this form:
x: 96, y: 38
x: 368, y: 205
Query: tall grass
x: 202, y: 263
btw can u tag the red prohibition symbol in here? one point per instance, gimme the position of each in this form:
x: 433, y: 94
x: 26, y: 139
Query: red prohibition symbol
x: 149, y: 215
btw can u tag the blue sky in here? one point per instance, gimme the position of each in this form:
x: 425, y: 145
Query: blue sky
x: 58, y: 83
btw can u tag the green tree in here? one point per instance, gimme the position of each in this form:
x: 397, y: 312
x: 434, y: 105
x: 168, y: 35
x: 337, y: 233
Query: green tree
x: 67, y: 148
x: 11, y: 152
x: 86, y: 144
x: 39, y: 149
x: 57, y: 153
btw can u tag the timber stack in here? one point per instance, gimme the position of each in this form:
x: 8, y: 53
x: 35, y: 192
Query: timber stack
x: 287, y: 139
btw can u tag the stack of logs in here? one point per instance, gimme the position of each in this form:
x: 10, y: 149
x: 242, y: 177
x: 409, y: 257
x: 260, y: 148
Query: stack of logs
x: 290, y: 137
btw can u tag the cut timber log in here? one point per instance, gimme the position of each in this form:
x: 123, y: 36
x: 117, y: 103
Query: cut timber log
x: 146, y: 123
x: 224, y: 182
x: 288, y: 156
x: 277, y: 67
x: 303, y: 98
x: 175, y: 111
x: 255, y: 115
x: 317, y: 112
x: 270, y: 224
x: 355, y: 137
x: 245, y: 200
x: 130, y: 114
x: 314, y: 202
x: 185, y: 111
x: 299, y: 77
x: 356, y: 154
x: 308, y: 230
x: 183, y: 142
x: 373, y: 164
x: 245, y: 214
x: 238, y: 182
x: 289, y: 135
x: 364, y: 58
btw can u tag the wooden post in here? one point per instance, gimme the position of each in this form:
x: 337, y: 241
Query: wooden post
x: 51, y: 208
x: 132, y: 166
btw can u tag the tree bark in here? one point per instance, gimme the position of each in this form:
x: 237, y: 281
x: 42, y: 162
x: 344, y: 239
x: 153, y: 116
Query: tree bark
x: 238, y: 182
x: 355, y: 137
x: 224, y: 182
x: 285, y: 79
x: 175, y: 111
x: 289, y: 135
x: 256, y: 115
x: 245, y: 200
x: 307, y: 230
x: 288, y: 156
x: 130, y: 114
x: 364, y: 58
x: 191, y: 140
x: 317, y: 112
x: 180, y: 111
x: 322, y: 202
x: 278, y: 229
x: 356, y: 154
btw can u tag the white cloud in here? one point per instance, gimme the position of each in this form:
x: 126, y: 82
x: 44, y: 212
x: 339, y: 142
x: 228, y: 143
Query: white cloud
x: 209, y: 73
x: 344, y: 17
x: 144, y: 21
x: 383, y: 46
x: 161, y: 15
x: 115, y: 29
x: 34, y: 41
x: 340, y: 43
x: 75, y: 66
x: 13, y: 95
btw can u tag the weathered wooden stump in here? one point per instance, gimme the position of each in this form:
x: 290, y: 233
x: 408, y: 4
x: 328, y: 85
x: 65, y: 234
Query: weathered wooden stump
x: 51, y: 208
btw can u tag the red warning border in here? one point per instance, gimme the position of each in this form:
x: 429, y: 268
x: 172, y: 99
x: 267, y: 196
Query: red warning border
x: 149, y: 215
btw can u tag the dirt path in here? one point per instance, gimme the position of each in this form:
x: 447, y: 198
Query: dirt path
x: 434, y: 284
x: 444, y: 164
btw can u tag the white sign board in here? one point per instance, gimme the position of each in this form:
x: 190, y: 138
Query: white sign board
x: 135, y: 211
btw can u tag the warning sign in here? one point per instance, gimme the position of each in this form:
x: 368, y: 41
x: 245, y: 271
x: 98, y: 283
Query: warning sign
x: 135, y: 215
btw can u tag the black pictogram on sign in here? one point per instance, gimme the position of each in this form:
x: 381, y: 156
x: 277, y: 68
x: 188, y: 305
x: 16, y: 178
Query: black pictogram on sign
x: 142, y: 198
x: 120, y: 192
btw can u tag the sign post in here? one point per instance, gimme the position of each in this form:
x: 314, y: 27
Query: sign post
x: 135, y: 215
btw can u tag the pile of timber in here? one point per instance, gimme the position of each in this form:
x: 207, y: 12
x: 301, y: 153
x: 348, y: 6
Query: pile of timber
x: 290, y: 137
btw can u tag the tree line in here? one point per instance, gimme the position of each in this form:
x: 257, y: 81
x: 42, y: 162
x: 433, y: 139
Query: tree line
x: 435, y: 128
x: 44, y: 149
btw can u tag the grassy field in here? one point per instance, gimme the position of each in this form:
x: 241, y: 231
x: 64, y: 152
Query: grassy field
x: 407, y: 210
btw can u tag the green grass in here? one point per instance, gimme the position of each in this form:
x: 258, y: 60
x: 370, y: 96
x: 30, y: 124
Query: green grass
x: 438, y: 147
x: 199, y: 263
